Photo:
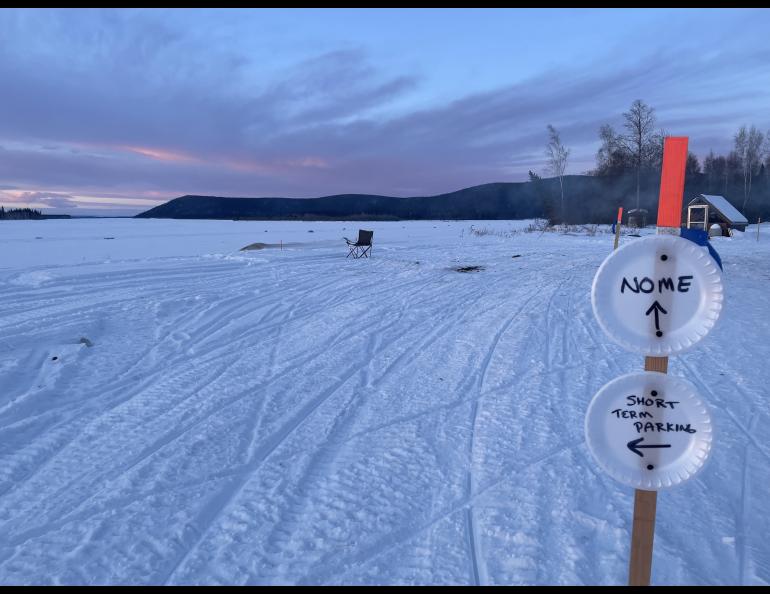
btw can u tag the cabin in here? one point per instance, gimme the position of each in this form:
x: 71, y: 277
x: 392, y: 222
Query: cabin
x: 637, y: 217
x: 707, y: 211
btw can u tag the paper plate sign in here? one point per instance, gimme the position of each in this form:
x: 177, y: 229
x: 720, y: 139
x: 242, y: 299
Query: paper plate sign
x: 649, y: 430
x: 658, y: 295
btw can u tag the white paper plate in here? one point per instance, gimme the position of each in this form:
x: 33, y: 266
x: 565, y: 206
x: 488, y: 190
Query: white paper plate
x: 669, y: 451
x: 658, y: 296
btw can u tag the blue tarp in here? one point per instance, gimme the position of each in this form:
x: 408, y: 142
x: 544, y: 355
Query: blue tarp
x: 701, y: 237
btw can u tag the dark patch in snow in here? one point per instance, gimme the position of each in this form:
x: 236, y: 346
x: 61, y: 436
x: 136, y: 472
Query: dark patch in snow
x: 468, y: 268
x: 262, y: 246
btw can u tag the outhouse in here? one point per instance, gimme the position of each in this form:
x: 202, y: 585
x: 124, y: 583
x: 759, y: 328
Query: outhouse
x: 637, y: 217
x: 705, y: 211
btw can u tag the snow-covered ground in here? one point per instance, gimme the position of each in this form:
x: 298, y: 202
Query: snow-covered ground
x: 290, y: 416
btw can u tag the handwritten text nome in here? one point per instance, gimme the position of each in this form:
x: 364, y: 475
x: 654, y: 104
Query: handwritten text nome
x: 647, y: 285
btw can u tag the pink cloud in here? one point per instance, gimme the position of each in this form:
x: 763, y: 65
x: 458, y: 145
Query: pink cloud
x: 161, y: 154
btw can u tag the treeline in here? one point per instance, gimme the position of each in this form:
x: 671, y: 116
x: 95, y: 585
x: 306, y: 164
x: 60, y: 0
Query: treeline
x: 631, y: 159
x: 19, y: 213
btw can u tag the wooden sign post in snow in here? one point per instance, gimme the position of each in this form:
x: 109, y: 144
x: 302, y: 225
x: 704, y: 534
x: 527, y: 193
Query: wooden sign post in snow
x: 669, y: 221
x: 657, y: 296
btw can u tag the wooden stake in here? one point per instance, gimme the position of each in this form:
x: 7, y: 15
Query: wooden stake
x: 759, y: 222
x: 640, y: 566
x: 645, y: 503
x: 659, y: 364
x: 617, y: 227
x: 669, y: 221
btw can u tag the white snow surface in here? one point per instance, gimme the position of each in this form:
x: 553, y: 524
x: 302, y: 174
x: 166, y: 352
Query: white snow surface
x: 295, y: 417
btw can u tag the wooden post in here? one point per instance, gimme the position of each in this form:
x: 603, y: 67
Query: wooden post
x: 669, y: 221
x: 645, y: 504
x: 759, y: 222
x: 617, y: 227
x: 640, y: 566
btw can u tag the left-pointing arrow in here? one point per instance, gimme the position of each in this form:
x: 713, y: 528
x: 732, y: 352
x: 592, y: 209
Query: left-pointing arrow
x: 635, y: 446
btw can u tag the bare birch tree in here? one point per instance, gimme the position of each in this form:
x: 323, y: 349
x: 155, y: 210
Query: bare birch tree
x: 748, y: 148
x: 754, y: 156
x: 640, y: 136
x: 766, y: 157
x: 741, y: 142
x: 557, y: 155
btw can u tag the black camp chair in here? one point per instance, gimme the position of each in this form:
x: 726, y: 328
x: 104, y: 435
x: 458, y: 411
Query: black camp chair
x: 362, y: 248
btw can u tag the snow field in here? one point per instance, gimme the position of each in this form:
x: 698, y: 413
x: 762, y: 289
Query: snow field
x: 295, y: 417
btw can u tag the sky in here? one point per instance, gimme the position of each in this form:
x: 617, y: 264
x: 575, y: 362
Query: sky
x: 110, y: 112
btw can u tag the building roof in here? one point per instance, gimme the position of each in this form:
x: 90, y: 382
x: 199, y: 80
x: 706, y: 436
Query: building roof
x: 726, y: 209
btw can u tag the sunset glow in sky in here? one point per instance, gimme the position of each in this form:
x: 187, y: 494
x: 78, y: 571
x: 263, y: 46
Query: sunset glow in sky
x: 114, y: 111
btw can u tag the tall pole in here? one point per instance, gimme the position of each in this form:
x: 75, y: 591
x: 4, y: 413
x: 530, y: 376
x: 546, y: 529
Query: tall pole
x: 669, y: 221
x: 759, y: 222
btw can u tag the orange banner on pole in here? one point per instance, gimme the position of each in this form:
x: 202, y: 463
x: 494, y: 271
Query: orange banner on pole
x: 672, y: 181
x: 620, y: 214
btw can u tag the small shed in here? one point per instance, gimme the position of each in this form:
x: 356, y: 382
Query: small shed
x: 637, y: 217
x: 706, y: 210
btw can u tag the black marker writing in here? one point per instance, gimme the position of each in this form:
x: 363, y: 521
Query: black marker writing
x: 630, y: 414
x: 649, y: 427
x: 642, y: 401
x: 684, y: 284
x: 647, y: 285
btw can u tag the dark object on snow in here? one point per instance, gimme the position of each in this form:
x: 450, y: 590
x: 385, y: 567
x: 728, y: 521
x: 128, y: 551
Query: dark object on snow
x: 254, y: 246
x: 109, y: 238
x: 262, y: 246
x: 469, y: 268
x: 54, y: 358
x: 637, y: 217
x: 85, y: 341
x: 362, y: 247
x: 516, y: 256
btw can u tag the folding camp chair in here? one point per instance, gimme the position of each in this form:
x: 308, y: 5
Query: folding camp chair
x: 362, y: 248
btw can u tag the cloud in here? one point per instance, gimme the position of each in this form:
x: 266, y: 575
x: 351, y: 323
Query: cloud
x: 49, y: 199
x: 39, y: 199
x: 127, y: 102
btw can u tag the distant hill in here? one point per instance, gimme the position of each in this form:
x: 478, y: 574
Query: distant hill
x: 500, y: 200
x: 588, y: 199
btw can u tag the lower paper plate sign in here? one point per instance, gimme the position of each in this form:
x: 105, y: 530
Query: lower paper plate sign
x: 649, y: 430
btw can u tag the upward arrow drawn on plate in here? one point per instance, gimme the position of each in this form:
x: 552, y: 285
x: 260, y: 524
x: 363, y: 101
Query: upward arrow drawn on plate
x: 657, y: 308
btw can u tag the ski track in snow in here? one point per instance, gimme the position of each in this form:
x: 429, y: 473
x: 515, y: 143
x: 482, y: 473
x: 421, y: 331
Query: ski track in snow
x: 294, y: 417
